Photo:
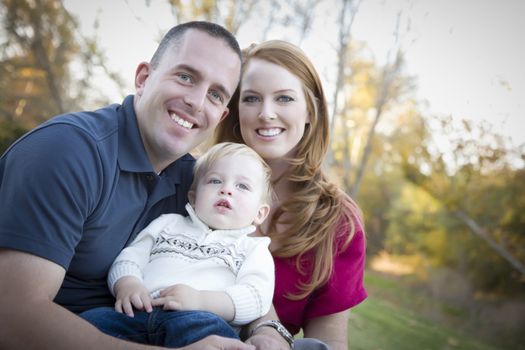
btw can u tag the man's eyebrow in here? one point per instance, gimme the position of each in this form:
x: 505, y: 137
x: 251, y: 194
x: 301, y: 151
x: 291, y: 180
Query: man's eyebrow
x: 198, y: 75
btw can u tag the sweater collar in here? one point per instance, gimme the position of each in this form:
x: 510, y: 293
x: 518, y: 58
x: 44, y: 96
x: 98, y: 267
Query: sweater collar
x: 201, y: 225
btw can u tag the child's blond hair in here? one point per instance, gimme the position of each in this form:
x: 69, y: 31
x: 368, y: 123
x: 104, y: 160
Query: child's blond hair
x: 220, y: 150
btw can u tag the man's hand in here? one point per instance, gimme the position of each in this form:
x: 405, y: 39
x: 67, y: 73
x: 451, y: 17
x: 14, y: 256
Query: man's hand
x: 214, y: 342
x: 130, y: 292
x: 267, y: 338
x: 179, y: 297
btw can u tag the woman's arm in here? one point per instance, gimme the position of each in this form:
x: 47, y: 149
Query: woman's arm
x: 331, y: 329
x: 265, y: 338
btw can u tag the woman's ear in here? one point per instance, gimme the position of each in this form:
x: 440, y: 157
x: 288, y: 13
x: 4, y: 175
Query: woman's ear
x: 263, y: 212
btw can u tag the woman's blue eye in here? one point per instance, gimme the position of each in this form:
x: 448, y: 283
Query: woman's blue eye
x: 250, y: 99
x: 285, y: 98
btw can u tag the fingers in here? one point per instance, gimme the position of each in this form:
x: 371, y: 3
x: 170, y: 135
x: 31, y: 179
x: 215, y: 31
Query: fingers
x: 134, y: 301
x: 167, y: 303
x: 172, y: 305
x: 127, y: 307
x: 141, y: 302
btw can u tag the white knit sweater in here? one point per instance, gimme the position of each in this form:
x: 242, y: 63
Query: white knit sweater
x: 174, y: 249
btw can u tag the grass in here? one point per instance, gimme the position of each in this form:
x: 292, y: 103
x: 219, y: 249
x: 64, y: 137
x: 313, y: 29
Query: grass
x: 389, y: 320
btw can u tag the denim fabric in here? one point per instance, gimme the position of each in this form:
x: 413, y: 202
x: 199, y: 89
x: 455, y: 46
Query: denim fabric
x: 163, y: 328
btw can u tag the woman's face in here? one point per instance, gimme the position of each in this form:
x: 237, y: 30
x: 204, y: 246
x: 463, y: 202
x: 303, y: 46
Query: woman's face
x: 272, y: 109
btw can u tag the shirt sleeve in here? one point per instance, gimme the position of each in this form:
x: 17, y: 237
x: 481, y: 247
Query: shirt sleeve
x: 253, y: 291
x: 49, y: 185
x: 345, y: 287
x: 132, y: 260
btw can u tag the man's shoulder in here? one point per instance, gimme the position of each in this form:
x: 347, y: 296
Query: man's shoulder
x: 99, y: 124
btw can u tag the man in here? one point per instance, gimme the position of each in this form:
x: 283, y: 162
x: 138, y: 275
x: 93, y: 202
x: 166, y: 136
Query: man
x: 75, y: 190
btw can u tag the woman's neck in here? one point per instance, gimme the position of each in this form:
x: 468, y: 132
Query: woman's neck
x: 281, y: 185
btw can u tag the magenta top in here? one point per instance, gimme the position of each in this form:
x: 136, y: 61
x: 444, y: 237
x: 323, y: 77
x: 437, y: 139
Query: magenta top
x: 343, y: 290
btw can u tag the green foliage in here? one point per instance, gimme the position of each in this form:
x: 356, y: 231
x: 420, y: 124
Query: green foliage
x: 392, y: 318
x: 9, y: 132
x: 46, y: 66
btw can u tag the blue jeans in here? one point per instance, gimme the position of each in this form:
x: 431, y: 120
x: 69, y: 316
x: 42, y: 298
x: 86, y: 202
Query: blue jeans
x: 162, y: 328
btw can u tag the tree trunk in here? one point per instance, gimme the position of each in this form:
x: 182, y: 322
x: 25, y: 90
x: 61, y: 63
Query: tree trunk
x: 483, y: 234
x: 345, y: 24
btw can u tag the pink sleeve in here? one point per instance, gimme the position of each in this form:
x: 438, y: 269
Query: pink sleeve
x: 345, y: 287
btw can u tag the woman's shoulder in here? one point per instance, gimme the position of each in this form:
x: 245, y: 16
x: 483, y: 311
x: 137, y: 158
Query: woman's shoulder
x: 351, y: 222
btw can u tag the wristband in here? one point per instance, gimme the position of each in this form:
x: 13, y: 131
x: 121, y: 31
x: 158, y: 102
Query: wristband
x: 278, y: 327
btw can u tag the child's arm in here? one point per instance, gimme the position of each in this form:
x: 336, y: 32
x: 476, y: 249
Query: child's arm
x: 252, y: 293
x: 125, y: 275
x: 183, y: 297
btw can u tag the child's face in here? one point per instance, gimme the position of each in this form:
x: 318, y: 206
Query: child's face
x: 229, y: 196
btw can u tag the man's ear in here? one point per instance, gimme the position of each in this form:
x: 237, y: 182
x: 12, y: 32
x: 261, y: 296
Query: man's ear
x: 224, y: 114
x: 141, y: 75
x: 191, y: 198
x: 263, y: 212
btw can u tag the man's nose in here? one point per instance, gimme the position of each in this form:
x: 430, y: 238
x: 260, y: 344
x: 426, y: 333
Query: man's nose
x: 196, y: 98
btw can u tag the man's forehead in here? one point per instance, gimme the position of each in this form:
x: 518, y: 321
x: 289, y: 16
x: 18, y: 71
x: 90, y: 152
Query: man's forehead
x: 211, y: 56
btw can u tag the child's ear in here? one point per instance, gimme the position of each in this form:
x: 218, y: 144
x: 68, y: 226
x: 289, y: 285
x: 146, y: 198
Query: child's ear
x: 263, y: 212
x: 191, y: 198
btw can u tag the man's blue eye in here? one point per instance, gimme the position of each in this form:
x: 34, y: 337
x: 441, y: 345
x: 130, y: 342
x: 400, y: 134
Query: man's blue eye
x: 184, y: 77
x: 216, y: 96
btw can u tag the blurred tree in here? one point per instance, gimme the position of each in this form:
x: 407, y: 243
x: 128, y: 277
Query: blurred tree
x: 230, y: 13
x: 346, y: 19
x: 477, y: 183
x: 233, y: 14
x: 45, y: 64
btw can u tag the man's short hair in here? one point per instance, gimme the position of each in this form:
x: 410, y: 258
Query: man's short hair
x: 176, y: 33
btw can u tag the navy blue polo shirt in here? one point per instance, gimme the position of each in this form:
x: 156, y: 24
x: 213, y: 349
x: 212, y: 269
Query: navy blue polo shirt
x: 77, y: 189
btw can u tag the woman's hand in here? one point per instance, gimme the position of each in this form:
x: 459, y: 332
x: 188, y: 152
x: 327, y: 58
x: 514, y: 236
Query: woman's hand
x: 267, y: 338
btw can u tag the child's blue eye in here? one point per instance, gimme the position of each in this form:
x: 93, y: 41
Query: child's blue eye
x: 243, y: 187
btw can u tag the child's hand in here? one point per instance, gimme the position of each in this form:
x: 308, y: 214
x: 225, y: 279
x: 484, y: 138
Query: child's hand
x: 179, y: 297
x: 131, y: 293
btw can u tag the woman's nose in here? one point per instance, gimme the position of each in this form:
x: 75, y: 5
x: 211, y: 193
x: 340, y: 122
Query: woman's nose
x: 267, y: 112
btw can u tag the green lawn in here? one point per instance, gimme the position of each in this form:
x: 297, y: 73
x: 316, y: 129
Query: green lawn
x: 386, y: 321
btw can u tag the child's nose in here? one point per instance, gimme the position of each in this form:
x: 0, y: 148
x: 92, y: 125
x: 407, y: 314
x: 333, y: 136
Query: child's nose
x: 225, y: 191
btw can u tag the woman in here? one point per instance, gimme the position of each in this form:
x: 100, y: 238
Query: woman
x: 318, y: 242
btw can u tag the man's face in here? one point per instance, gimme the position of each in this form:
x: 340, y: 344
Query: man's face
x: 180, y: 102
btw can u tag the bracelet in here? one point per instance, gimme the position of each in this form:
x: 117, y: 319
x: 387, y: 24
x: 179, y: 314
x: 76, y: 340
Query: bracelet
x: 278, y: 327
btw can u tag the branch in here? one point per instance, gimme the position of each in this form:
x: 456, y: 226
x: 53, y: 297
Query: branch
x: 483, y: 234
